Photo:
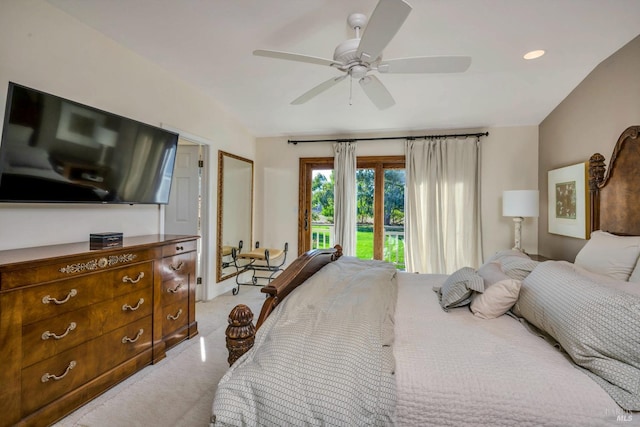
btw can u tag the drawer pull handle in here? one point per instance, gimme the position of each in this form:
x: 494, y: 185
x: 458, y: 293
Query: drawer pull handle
x: 46, y: 335
x: 127, y: 339
x: 126, y: 279
x: 170, y: 317
x: 137, y: 306
x: 46, y: 377
x: 179, y: 248
x: 47, y: 298
x: 176, y: 289
x: 178, y: 267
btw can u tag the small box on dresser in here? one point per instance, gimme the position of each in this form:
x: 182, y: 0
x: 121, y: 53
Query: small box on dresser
x: 74, y: 322
x: 105, y: 240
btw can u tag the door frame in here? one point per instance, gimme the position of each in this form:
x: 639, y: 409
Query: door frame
x: 204, y: 248
x: 306, y: 168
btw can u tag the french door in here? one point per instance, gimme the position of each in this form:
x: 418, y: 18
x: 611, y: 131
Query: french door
x: 380, y: 206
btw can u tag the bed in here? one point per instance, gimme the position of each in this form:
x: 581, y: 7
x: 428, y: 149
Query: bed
x: 342, y: 341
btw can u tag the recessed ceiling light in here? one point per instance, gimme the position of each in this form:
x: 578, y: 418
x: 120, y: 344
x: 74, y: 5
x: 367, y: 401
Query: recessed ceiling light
x: 534, y: 54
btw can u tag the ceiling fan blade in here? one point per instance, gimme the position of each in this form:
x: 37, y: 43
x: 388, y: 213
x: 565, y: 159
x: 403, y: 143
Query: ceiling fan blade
x: 426, y: 64
x: 377, y: 93
x: 385, y: 21
x: 318, y: 90
x: 293, y: 57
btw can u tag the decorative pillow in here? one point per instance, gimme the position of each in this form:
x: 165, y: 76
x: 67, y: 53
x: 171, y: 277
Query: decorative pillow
x: 456, y: 291
x: 491, y: 273
x: 598, y: 326
x: 496, y: 299
x: 611, y: 255
x: 517, y: 267
x: 605, y: 280
x: 506, y: 253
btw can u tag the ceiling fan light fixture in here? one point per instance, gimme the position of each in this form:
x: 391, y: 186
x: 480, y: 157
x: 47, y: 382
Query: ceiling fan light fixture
x: 358, y: 71
x: 533, y: 54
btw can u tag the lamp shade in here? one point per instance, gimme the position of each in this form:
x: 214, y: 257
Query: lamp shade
x: 520, y: 203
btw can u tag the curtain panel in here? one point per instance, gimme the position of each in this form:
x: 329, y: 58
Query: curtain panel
x: 442, y: 220
x: 344, y: 169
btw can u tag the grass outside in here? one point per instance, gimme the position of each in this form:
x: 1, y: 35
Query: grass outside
x: 393, y: 248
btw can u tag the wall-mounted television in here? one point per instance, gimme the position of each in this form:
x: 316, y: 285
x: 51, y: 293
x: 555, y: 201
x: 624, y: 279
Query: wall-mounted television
x: 54, y: 150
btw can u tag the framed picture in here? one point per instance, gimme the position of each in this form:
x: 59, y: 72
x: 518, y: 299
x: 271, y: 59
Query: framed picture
x: 568, y: 201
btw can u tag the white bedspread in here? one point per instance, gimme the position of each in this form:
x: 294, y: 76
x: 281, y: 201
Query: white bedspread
x: 453, y: 368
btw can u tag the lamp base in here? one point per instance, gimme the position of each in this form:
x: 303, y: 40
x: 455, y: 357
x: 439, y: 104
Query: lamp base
x: 517, y: 221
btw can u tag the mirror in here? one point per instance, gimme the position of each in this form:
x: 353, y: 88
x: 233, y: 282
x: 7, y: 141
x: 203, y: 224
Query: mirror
x: 235, y: 210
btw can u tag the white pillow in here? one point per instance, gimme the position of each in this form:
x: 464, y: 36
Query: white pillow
x: 497, y: 299
x: 611, y: 255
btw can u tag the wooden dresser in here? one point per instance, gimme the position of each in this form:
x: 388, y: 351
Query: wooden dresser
x: 74, y: 321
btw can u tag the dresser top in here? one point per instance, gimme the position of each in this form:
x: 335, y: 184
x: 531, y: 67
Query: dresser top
x: 18, y: 256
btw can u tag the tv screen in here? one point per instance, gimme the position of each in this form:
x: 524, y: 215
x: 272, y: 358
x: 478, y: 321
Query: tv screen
x: 56, y: 150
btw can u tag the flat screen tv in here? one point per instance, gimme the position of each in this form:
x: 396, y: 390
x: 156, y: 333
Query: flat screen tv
x: 55, y: 150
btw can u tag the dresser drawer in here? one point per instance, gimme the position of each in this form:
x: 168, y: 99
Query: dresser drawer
x: 127, y: 279
x: 178, y: 266
x: 45, y: 381
x: 127, y: 308
x: 99, y: 262
x: 61, y: 297
x: 175, y: 316
x: 179, y: 248
x: 174, y: 290
x: 123, y: 343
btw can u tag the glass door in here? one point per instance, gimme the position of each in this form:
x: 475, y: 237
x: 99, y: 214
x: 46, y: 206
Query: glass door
x: 380, y: 207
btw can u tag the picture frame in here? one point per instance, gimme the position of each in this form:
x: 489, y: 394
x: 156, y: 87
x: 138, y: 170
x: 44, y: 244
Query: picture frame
x: 569, y: 200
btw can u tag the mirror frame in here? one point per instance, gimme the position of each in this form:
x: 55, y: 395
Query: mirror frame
x: 221, y: 157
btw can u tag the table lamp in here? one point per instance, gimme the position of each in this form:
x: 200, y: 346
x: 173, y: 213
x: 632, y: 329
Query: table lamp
x: 519, y: 204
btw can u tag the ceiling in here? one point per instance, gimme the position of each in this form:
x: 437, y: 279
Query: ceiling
x: 209, y: 44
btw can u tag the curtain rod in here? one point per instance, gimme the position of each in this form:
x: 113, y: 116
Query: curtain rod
x: 455, y: 135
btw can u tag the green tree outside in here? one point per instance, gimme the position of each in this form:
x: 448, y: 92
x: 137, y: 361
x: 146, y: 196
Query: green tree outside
x: 322, y: 189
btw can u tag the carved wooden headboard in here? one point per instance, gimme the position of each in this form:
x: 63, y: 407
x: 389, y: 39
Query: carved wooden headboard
x: 615, y: 191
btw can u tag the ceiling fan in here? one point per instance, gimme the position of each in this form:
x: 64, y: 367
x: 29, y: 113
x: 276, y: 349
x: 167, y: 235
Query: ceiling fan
x: 359, y: 56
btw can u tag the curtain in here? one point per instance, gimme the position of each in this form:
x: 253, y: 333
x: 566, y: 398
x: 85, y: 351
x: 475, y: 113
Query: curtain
x: 344, y: 167
x: 442, y: 222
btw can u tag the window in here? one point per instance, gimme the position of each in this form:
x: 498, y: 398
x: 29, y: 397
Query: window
x: 380, y: 207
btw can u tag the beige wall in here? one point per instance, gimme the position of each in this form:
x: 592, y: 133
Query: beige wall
x: 277, y: 182
x: 589, y: 120
x: 44, y: 48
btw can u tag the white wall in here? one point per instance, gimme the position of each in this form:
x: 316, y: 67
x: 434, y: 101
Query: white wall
x: 509, y: 162
x: 46, y: 49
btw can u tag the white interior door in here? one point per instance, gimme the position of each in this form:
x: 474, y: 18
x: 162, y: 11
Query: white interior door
x: 182, y: 214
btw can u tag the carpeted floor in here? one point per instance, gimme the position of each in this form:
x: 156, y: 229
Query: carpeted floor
x: 179, y: 390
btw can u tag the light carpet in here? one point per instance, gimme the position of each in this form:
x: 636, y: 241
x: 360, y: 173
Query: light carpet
x: 178, y: 390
